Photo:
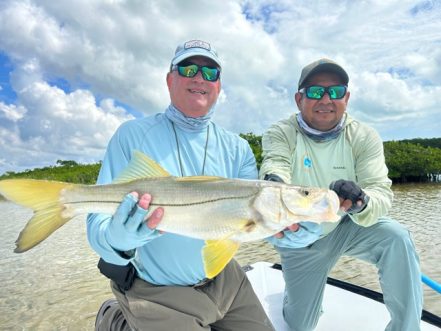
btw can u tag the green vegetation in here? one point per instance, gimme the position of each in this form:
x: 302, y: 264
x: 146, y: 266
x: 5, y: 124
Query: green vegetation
x: 416, y: 160
x: 428, y: 142
x: 256, y: 146
x: 409, y: 162
x: 64, y: 171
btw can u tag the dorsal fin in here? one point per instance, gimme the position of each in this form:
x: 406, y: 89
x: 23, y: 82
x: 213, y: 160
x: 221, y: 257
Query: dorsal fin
x: 140, y: 166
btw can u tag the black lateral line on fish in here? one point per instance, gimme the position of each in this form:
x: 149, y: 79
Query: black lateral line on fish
x: 168, y: 204
x: 201, y: 202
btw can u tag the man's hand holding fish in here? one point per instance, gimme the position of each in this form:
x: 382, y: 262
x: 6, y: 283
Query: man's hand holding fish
x: 128, y: 228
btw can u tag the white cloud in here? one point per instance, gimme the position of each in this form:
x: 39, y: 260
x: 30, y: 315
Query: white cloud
x: 51, y: 124
x: 108, y: 51
x: 11, y: 112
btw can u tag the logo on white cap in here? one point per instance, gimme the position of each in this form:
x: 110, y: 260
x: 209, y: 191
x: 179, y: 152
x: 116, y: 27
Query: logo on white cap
x: 197, y: 43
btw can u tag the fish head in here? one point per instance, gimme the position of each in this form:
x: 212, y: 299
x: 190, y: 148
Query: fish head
x: 280, y: 205
x: 309, y: 204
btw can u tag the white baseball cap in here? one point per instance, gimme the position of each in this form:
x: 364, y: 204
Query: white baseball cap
x: 195, y: 48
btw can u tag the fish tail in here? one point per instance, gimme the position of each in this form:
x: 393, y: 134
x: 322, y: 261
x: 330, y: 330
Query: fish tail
x: 43, y: 197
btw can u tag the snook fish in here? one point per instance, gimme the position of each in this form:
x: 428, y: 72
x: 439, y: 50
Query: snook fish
x: 223, y: 212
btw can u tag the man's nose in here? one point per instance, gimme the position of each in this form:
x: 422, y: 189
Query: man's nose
x: 198, y: 76
x: 326, y: 98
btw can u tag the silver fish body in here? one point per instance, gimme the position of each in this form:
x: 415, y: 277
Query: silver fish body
x: 212, y: 208
x: 223, y: 212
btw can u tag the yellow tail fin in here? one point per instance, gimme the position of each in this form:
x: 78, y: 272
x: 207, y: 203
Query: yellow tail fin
x: 216, y: 254
x: 43, y: 197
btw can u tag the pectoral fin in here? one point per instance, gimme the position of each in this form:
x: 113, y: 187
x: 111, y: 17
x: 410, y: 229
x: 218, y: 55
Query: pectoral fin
x: 216, y: 255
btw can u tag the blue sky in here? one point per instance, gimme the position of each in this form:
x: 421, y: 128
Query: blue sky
x: 72, y: 72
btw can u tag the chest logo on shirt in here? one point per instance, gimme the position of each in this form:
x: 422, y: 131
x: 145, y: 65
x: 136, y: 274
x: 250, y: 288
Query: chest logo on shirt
x: 307, y: 162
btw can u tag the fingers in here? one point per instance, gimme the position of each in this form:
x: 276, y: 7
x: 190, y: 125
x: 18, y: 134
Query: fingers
x: 127, y: 229
x: 148, y: 229
x: 144, y: 201
x: 293, y: 227
x: 125, y: 208
x: 347, y: 204
x: 156, y: 215
x: 347, y: 189
x: 279, y: 235
x: 138, y: 213
x: 155, y: 218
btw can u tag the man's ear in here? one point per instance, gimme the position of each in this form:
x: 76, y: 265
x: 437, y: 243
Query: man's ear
x: 169, y: 79
x: 298, y: 98
x: 348, y: 94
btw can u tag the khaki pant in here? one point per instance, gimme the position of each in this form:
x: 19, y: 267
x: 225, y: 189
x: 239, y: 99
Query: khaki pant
x: 226, y: 303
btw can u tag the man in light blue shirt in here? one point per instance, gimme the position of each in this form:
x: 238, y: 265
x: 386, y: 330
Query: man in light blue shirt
x: 158, y: 278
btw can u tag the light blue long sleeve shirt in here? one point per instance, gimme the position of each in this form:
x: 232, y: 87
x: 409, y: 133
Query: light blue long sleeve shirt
x: 169, y: 259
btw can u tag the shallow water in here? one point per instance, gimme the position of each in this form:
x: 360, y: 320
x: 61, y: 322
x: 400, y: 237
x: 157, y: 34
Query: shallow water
x: 56, y: 285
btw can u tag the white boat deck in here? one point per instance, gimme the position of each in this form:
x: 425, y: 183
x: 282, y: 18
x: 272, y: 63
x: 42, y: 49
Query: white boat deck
x: 343, y: 310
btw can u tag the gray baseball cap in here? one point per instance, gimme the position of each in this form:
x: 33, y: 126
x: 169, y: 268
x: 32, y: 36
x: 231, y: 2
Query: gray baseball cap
x: 322, y: 65
x: 195, y: 48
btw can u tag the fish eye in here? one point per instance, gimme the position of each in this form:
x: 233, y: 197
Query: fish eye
x: 306, y: 192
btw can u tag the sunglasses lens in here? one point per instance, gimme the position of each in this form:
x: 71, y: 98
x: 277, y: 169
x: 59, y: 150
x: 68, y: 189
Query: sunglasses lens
x: 210, y: 74
x: 337, y: 92
x: 188, y: 71
x: 315, y: 92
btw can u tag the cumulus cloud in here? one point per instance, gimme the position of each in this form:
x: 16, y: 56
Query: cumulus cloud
x: 74, y: 64
x: 11, y: 112
x: 51, y: 124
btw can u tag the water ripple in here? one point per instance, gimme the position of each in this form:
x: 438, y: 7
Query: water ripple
x: 57, y: 286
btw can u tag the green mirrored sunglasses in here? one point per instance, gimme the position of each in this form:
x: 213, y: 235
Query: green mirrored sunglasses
x: 317, y: 92
x: 210, y: 74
